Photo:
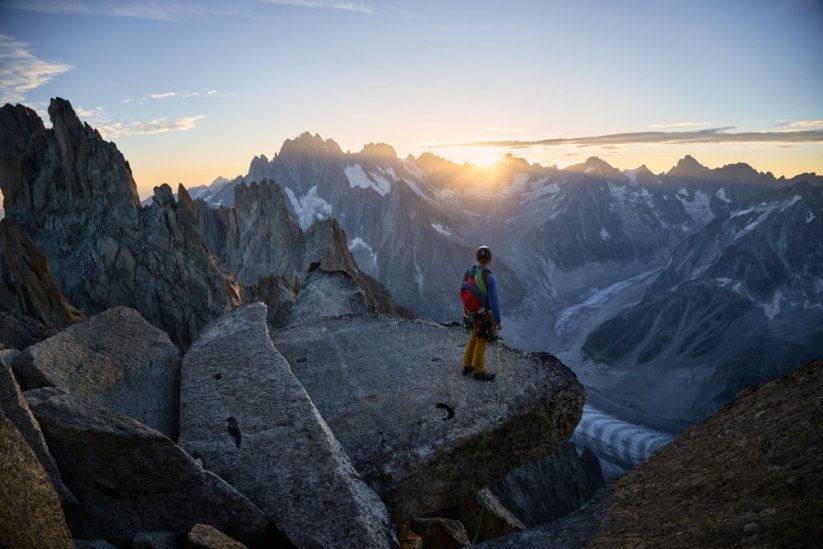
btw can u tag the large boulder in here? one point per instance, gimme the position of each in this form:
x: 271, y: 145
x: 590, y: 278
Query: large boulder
x: 249, y: 420
x: 130, y: 478
x: 75, y: 195
x: 30, y: 514
x: 14, y: 405
x: 327, y: 294
x: 115, y: 359
x: 420, y: 433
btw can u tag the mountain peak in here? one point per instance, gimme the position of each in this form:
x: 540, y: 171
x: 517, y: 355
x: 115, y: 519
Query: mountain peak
x: 687, y: 166
x: 311, y: 144
x: 379, y: 151
x: 594, y: 165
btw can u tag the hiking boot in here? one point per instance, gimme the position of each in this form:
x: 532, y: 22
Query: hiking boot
x: 467, y: 370
x: 485, y: 376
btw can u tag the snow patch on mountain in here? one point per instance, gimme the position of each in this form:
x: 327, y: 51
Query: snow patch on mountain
x: 598, y: 298
x: 632, y: 175
x: 418, y: 274
x: 360, y: 244
x: 604, y: 234
x: 517, y: 185
x: 417, y: 190
x: 698, y: 207
x: 773, y: 308
x: 412, y: 169
x: 540, y: 190
x: 721, y: 194
x: 441, y: 229
x: 763, y: 211
x: 810, y: 217
x: 358, y: 178
x: 309, y: 207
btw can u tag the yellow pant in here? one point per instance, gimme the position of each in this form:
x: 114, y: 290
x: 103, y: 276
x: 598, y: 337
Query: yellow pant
x: 475, y: 354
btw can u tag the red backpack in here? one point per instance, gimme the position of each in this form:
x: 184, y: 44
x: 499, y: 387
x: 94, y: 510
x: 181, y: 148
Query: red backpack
x: 473, y: 291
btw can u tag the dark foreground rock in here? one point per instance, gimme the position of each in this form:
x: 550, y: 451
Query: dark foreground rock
x: 573, y: 531
x: 484, y: 516
x: 130, y: 478
x: 32, y: 304
x: 549, y: 488
x: 248, y: 418
x: 420, y: 433
x: 749, y: 476
x: 203, y: 536
x: 17, y: 410
x: 115, y: 359
x: 30, y: 514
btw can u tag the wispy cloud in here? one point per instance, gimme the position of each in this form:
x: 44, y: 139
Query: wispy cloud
x: 95, y: 116
x: 156, y: 10
x: 712, y: 135
x: 205, y: 92
x: 345, y: 5
x: 672, y: 125
x: 803, y: 124
x: 158, y: 125
x: 21, y: 71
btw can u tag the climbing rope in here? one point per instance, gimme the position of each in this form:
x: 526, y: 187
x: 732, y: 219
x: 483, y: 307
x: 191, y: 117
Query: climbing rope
x: 488, y: 419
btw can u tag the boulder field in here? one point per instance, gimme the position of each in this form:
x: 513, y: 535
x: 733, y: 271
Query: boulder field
x: 330, y: 432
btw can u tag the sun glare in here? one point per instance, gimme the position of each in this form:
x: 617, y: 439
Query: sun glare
x: 482, y: 157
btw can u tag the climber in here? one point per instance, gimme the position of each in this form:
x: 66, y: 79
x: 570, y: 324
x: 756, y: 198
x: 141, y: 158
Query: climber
x: 481, y: 309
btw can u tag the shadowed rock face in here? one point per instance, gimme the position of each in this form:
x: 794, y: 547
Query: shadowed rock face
x: 129, y: 478
x: 247, y: 417
x: 326, y: 244
x: 544, y: 490
x: 115, y: 359
x: 264, y: 246
x: 30, y: 514
x: 14, y: 405
x: 760, y: 488
x: 258, y: 236
x: 75, y: 196
x: 377, y: 381
x: 28, y: 290
x: 203, y: 536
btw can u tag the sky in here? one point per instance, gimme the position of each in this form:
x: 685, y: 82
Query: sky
x: 192, y: 90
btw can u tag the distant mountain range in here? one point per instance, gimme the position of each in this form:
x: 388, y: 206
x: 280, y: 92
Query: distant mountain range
x: 666, y: 292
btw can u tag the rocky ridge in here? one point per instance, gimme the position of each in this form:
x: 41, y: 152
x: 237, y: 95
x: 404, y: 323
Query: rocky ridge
x: 74, y: 195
